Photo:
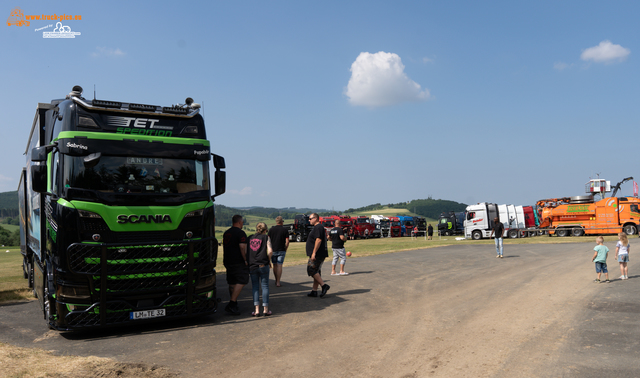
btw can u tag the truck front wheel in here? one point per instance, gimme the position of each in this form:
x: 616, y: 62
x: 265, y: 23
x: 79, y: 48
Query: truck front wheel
x: 630, y: 229
x: 513, y: 234
x: 476, y: 235
x: 298, y: 238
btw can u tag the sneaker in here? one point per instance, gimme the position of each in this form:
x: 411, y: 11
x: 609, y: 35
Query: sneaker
x: 596, y: 280
x: 497, y: 256
x: 325, y: 288
x: 626, y: 277
x: 621, y: 277
x: 313, y: 293
x: 607, y: 281
x: 501, y: 256
x: 232, y: 309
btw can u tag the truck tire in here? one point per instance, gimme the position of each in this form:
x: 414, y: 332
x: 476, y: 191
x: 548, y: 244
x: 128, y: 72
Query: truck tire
x: 577, y: 231
x: 447, y: 233
x: 630, y: 229
x: 298, y: 238
x: 512, y: 234
x: 476, y: 235
x: 562, y: 232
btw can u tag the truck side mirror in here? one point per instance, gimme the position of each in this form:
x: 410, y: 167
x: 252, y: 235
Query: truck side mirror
x: 92, y: 160
x: 39, y: 178
x: 220, y: 182
x: 39, y: 153
x: 218, y: 162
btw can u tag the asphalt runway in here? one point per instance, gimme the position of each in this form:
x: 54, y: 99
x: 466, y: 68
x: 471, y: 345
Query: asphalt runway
x: 453, y: 311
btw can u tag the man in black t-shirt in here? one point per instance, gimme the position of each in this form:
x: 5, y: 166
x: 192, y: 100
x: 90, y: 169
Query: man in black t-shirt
x: 234, y: 243
x: 280, y: 243
x: 498, y: 230
x: 317, y: 251
x: 337, y: 245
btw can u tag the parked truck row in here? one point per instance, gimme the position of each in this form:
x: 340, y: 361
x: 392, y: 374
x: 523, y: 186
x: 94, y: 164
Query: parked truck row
x: 361, y: 227
x: 563, y: 216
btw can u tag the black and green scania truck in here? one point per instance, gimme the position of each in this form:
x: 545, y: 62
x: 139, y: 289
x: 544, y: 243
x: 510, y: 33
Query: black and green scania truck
x: 116, y: 211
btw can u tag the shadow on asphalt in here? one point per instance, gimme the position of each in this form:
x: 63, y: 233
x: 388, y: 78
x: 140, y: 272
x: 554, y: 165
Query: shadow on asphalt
x: 510, y: 256
x: 287, y: 299
x: 367, y: 272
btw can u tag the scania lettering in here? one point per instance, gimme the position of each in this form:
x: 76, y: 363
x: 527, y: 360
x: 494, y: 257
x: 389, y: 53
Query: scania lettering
x: 116, y: 212
x: 144, y: 218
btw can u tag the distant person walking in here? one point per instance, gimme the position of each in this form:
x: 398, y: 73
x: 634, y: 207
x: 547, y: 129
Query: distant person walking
x: 317, y: 251
x: 234, y: 243
x: 622, y: 254
x: 498, y: 230
x: 259, y: 260
x: 337, y: 245
x: 600, y: 258
x: 430, y: 231
x: 279, y: 236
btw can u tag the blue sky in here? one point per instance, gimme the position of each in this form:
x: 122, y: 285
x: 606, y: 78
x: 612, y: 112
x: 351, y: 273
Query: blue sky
x: 344, y: 104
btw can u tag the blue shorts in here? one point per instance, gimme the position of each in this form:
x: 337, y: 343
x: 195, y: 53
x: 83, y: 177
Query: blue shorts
x: 278, y: 257
x: 601, y: 267
x: 623, y: 258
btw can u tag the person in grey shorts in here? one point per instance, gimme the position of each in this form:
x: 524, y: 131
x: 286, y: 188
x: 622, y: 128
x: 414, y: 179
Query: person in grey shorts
x: 337, y: 245
x: 279, y: 237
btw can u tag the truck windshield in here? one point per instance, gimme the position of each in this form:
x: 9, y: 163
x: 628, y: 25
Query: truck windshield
x: 124, y: 175
x: 395, y: 223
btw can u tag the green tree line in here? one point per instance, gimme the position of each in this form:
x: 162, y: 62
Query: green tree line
x: 9, y: 238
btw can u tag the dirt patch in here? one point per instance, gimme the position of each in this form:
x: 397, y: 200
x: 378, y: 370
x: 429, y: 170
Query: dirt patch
x: 28, y: 362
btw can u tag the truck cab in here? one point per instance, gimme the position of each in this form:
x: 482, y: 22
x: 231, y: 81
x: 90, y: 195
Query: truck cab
x: 406, y: 224
x: 382, y: 225
x: 395, y: 227
x: 117, y: 223
x: 479, y: 220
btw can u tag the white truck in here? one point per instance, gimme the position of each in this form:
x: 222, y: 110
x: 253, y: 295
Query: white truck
x: 480, y: 220
x: 382, y: 225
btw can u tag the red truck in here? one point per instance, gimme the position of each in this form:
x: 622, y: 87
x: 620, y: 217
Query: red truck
x: 362, y: 227
x: 396, y: 228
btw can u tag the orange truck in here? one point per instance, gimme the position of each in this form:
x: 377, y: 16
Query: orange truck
x: 582, y: 215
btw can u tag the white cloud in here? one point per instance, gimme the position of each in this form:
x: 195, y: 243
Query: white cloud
x: 107, y: 52
x: 605, y: 52
x: 379, y: 80
x: 5, y: 178
x: 427, y: 60
x: 247, y: 190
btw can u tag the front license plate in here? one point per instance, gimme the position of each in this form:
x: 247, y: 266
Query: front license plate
x: 147, y: 314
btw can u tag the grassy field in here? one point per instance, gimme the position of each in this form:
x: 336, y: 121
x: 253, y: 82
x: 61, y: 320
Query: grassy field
x: 12, y: 284
x: 10, y: 227
x: 14, y: 287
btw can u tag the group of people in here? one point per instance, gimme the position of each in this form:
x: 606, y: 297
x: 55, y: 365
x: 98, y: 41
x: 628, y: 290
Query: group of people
x: 267, y: 250
x: 601, y: 252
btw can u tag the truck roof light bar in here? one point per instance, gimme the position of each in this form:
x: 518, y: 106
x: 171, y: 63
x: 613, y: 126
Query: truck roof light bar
x: 175, y: 110
x: 143, y: 107
x: 106, y: 104
x: 138, y: 108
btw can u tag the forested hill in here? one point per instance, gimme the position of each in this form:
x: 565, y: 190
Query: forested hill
x: 428, y: 208
x: 9, y: 204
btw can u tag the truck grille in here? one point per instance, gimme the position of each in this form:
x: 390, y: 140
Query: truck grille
x: 137, y: 259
